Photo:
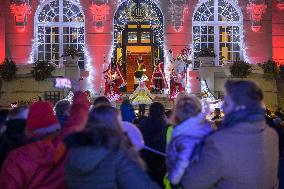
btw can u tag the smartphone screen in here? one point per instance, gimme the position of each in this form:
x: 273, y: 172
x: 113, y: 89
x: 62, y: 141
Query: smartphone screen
x: 62, y: 83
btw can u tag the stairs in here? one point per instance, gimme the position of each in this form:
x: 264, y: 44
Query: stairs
x: 162, y: 98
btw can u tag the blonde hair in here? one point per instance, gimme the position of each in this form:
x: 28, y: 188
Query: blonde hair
x: 186, y: 107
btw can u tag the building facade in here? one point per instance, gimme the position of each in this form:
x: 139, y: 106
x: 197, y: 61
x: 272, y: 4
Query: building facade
x: 250, y: 30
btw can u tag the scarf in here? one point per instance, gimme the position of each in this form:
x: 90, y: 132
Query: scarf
x: 249, y: 115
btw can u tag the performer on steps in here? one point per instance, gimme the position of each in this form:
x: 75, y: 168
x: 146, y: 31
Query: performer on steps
x: 159, y: 82
x: 141, y: 96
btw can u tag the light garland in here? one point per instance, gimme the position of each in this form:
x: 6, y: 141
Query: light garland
x: 208, y: 99
x: 256, y: 11
x: 122, y: 17
x: 77, y: 23
x: 178, y: 9
x: 230, y: 18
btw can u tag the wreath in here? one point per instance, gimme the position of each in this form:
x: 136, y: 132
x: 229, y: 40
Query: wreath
x: 240, y: 69
x: 206, y: 52
x: 71, y: 51
x: 8, y: 70
x: 42, y: 70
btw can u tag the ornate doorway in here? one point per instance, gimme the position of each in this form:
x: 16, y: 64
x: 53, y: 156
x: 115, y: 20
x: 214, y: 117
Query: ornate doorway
x: 138, y: 32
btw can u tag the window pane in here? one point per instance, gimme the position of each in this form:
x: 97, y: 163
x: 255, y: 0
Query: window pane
x: 145, y: 37
x: 132, y: 37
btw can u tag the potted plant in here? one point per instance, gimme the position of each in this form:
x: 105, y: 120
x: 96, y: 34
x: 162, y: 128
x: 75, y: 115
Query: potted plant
x: 240, y: 69
x: 8, y: 70
x: 270, y: 69
x: 71, y: 55
x: 42, y: 70
x: 206, y: 55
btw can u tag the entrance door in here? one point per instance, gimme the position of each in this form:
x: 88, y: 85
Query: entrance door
x: 132, y: 57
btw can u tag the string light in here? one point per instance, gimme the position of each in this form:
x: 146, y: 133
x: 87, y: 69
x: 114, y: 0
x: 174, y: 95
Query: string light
x: 152, y: 14
x: 232, y: 17
x: 45, y: 18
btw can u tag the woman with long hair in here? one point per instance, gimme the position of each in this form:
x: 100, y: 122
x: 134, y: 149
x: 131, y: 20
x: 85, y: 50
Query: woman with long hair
x: 101, y: 156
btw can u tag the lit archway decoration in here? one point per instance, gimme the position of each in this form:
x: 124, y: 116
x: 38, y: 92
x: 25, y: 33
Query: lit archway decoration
x: 178, y: 9
x: 99, y: 12
x: 256, y: 11
x: 20, y: 10
x: 280, y: 4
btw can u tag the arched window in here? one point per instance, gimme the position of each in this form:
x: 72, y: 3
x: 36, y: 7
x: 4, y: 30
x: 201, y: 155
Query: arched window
x: 59, y: 24
x: 218, y: 24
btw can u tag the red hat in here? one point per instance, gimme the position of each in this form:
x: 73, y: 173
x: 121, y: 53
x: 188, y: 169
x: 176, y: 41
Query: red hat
x: 41, y: 116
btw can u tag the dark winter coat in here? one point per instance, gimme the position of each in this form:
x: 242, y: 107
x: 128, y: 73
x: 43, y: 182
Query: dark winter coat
x: 40, y: 164
x: 243, y: 154
x: 127, y: 113
x: 154, y: 132
x: 89, y: 167
x: 12, y: 138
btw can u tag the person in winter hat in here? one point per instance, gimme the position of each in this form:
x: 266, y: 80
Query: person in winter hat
x: 190, y: 130
x: 40, y: 163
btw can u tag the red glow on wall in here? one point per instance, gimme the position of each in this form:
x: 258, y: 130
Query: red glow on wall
x: 2, y: 38
x: 20, y: 12
x: 99, y: 15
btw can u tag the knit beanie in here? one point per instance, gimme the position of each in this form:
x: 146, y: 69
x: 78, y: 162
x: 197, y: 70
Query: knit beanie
x: 41, y: 118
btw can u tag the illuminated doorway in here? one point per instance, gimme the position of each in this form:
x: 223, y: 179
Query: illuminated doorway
x: 138, y: 32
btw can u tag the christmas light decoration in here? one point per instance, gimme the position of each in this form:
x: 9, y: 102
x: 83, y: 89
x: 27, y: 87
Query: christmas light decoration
x: 150, y: 13
x: 280, y: 4
x: 48, y: 16
x: 20, y: 10
x: 256, y: 11
x: 178, y: 9
x: 209, y: 21
x: 208, y: 99
x: 99, y: 10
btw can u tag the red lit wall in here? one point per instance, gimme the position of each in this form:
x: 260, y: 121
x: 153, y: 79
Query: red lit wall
x: 2, y: 35
x: 278, y: 34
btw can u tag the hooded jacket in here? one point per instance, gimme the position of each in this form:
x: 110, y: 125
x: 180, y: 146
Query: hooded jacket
x: 183, y: 147
x: 89, y: 167
x: 40, y: 164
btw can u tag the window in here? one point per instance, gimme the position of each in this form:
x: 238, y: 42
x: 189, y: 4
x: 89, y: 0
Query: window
x: 59, y: 24
x: 218, y: 24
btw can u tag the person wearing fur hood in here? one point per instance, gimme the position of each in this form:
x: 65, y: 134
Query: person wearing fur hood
x: 188, y: 134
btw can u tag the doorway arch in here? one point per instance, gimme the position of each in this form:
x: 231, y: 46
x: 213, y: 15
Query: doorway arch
x: 138, y: 31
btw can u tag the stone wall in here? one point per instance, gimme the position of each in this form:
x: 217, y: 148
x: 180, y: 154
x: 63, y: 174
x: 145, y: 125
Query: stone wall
x: 25, y: 88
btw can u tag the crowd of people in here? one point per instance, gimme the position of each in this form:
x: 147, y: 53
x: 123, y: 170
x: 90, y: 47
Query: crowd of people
x: 87, y: 145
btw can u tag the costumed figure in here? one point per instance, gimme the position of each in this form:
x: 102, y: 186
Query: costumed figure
x: 142, y: 96
x: 140, y: 70
x: 159, y: 81
x: 111, y: 87
x: 176, y: 85
x: 116, y: 71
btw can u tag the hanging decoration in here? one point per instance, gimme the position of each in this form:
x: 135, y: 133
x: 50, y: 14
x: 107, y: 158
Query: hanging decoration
x: 99, y: 9
x: 256, y: 9
x: 178, y: 8
x: 280, y: 4
x: 20, y: 9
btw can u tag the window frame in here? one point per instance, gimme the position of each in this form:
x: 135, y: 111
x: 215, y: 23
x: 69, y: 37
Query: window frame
x: 217, y: 24
x: 61, y: 24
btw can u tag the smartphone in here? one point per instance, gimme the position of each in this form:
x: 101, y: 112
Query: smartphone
x: 62, y: 83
